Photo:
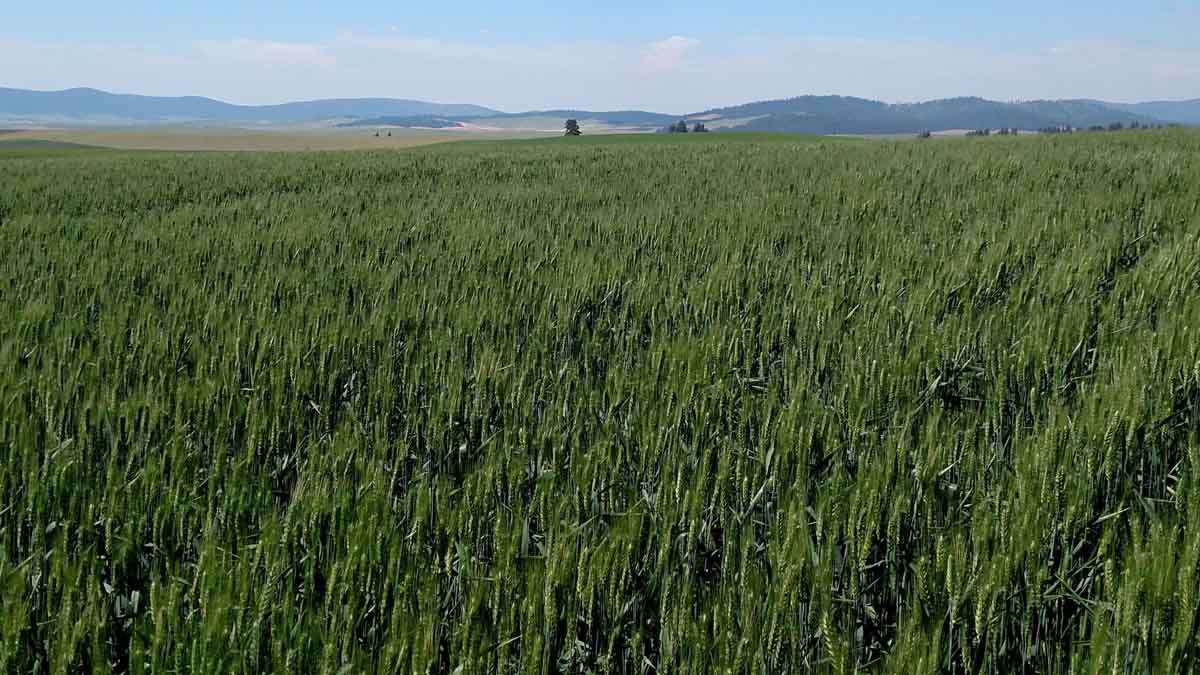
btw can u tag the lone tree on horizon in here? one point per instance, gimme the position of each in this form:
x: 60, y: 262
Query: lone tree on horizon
x: 572, y: 128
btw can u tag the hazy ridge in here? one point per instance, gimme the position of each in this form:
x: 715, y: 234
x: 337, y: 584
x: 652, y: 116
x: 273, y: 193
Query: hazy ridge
x: 803, y: 114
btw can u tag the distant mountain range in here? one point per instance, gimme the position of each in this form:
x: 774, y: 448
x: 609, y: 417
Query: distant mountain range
x: 632, y: 119
x: 804, y: 114
x: 846, y: 115
x: 1179, y: 112
x: 94, y: 106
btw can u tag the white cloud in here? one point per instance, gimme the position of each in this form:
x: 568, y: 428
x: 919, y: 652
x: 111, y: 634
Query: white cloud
x: 671, y: 75
x: 261, y: 53
x: 668, y: 54
x: 920, y: 70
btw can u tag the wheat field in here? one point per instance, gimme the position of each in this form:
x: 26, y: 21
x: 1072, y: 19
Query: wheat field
x: 711, y: 404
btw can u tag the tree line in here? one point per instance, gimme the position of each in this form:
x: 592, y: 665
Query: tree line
x: 571, y: 128
x: 1060, y: 129
x: 681, y: 127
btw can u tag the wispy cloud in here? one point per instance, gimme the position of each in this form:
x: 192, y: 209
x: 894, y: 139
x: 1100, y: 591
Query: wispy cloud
x: 264, y: 53
x: 921, y: 69
x: 669, y: 54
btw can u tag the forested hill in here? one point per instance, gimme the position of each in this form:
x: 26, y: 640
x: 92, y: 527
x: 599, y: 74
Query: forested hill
x: 848, y: 115
x: 803, y: 114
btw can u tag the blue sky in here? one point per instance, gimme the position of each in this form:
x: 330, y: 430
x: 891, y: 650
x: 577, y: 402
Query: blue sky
x: 672, y: 57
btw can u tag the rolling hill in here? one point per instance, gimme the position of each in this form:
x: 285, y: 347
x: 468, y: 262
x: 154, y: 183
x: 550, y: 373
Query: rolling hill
x: 100, y: 107
x: 848, y: 115
x: 803, y: 114
x: 627, y: 120
x: 1178, y: 112
x: 406, y: 122
x: 622, y: 118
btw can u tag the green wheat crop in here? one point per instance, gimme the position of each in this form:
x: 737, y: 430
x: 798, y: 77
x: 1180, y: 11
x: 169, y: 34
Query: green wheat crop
x: 659, y: 405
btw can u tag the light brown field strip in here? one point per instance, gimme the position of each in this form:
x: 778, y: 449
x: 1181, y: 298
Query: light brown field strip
x: 231, y: 140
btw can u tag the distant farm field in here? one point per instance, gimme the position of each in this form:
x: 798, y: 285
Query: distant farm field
x: 604, y: 405
x: 22, y: 148
x: 196, y: 140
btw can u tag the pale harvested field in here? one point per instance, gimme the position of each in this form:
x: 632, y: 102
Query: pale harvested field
x: 234, y: 139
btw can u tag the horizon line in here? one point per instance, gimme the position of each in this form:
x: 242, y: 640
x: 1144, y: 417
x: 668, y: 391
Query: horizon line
x: 580, y: 109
